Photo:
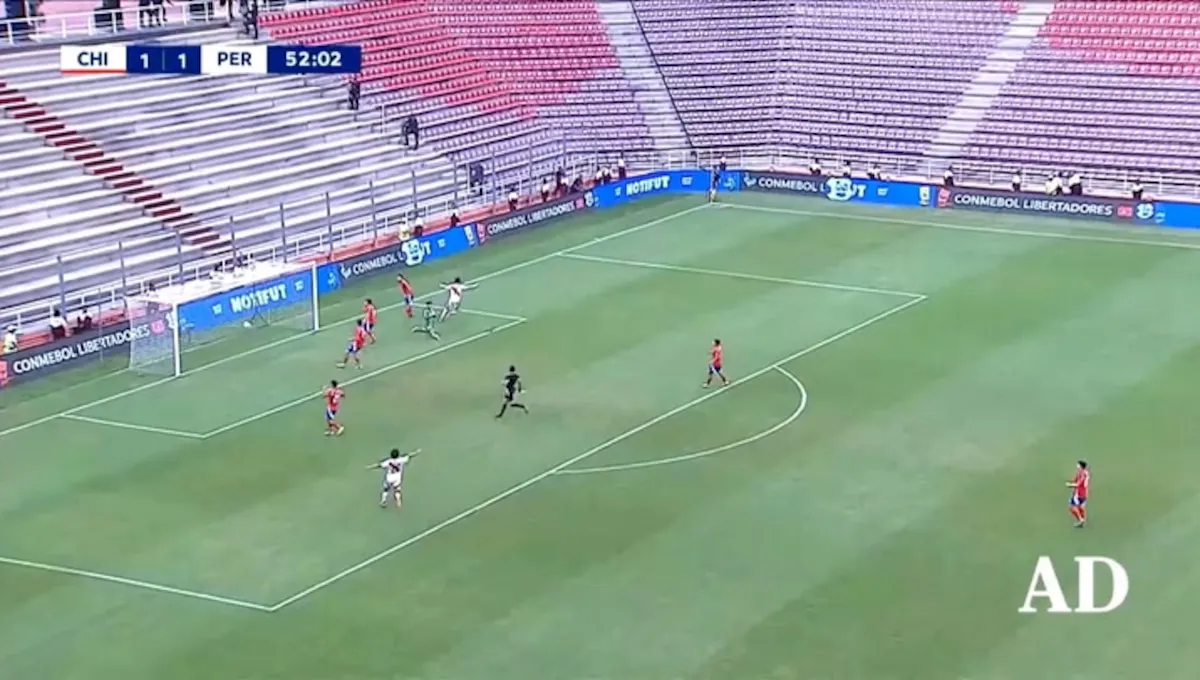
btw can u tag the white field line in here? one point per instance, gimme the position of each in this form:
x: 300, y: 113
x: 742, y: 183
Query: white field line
x: 144, y: 585
x: 800, y: 406
x: 133, y: 426
x: 451, y: 521
x: 364, y: 376
x: 490, y: 275
x: 740, y: 275
x: 1183, y: 245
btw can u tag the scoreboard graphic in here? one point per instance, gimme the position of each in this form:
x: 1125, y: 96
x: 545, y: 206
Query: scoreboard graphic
x: 210, y: 60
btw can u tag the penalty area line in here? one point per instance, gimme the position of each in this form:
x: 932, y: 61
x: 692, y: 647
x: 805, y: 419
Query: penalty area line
x: 513, y: 490
x: 365, y: 376
x: 745, y: 441
x: 132, y: 426
x: 135, y: 583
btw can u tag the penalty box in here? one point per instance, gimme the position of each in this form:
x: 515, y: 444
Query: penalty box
x: 212, y: 399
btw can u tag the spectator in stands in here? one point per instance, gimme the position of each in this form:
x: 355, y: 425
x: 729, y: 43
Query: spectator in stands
x: 621, y: 172
x: 873, y: 172
x: 846, y: 171
x: 1075, y: 184
x: 560, y: 182
x: 418, y: 229
x: 412, y: 133
x: 1018, y: 179
x: 145, y: 14
x: 948, y: 177
x: 454, y: 219
x: 353, y: 93
x: 545, y: 190
x: 83, y: 322
x: 475, y: 177
x: 722, y: 164
x: 577, y: 183
x: 513, y: 198
x: 228, y: 5
x: 58, y: 325
x: 160, y: 12
x: 1054, y: 185
x: 1137, y: 191
x: 250, y: 18
x: 814, y: 168
x: 10, y: 340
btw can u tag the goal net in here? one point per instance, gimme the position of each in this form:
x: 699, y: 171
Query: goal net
x: 229, y: 315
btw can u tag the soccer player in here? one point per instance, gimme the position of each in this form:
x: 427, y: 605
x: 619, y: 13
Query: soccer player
x: 429, y: 316
x: 512, y: 387
x: 714, y: 365
x: 357, y: 341
x: 406, y: 290
x: 369, y: 318
x: 333, y: 399
x: 1079, y: 493
x: 454, y: 296
x: 393, y: 474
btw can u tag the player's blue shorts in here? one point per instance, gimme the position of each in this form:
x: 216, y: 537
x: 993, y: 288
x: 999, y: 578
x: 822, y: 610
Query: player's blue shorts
x: 1078, y: 501
x: 369, y: 327
x: 408, y: 300
x: 352, y: 349
x: 330, y: 414
x: 714, y: 369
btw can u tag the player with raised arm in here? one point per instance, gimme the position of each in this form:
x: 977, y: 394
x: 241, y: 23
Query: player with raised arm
x: 1079, y: 493
x: 406, y: 290
x: 454, y: 296
x: 512, y: 387
x: 333, y: 400
x: 429, y: 318
x: 393, y: 475
x: 354, y: 347
x: 369, y: 318
x: 714, y: 365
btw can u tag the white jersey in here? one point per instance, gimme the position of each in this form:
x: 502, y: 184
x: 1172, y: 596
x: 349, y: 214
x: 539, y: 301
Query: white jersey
x: 455, y: 291
x: 393, y: 470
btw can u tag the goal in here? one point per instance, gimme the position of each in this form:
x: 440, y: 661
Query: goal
x: 229, y: 315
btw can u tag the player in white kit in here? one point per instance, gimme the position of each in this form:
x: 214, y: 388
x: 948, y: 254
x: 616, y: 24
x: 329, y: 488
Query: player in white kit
x: 454, y: 296
x: 393, y: 474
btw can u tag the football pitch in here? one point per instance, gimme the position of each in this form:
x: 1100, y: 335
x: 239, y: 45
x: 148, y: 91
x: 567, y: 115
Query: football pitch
x: 867, y: 500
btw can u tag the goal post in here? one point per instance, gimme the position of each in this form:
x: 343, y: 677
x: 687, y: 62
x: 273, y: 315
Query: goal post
x: 234, y: 313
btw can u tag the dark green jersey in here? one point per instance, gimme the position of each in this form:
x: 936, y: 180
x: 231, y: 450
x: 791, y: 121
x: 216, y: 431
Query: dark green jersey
x: 430, y: 315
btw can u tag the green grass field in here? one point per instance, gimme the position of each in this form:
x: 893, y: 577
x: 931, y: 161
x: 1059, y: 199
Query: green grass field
x: 867, y: 501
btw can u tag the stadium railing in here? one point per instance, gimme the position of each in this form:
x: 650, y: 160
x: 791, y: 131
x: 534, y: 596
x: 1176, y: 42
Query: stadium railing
x: 345, y: 239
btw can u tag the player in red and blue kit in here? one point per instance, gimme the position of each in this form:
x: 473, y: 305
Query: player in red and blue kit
x: 369, y: 317
x: 333, y: 399
x: 714, y: 365
x: 407, y: 291
x: 1079, y: 493
x: 357, y: 341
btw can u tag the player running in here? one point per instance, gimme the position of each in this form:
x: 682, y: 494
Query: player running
x: 333, y: 400
x: 393, y: 474
x: 714, y: 365
x: 454, y: 296
x: 1079, y: 493
x: 429, y: 316
x: 354, y: 347
x: 406, y: 290
x: 370, y: 315
x: 512, y: 387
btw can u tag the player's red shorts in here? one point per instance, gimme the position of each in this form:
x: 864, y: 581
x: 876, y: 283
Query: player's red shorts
x: 1078, y: 501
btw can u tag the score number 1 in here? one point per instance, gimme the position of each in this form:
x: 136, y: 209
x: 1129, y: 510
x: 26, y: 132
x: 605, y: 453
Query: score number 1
x: 184, y: 59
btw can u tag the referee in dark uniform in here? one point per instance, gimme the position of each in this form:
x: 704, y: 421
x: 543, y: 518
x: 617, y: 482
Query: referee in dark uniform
x: 512, y: 388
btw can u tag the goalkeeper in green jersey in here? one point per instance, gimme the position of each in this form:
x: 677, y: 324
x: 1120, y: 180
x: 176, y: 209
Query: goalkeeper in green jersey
x: 429, y: 316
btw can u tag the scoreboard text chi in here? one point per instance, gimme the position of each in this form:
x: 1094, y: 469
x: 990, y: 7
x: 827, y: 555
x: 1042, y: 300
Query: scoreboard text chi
x: 116, y: 58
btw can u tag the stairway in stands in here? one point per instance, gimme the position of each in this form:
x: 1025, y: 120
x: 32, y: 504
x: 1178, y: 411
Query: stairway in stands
x: 99, y: 163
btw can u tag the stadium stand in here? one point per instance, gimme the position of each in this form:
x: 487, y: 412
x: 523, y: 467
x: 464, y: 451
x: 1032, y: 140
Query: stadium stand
x: 180, y: 170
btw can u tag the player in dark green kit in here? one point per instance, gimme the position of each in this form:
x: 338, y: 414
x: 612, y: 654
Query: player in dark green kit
x: 429, y: 316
